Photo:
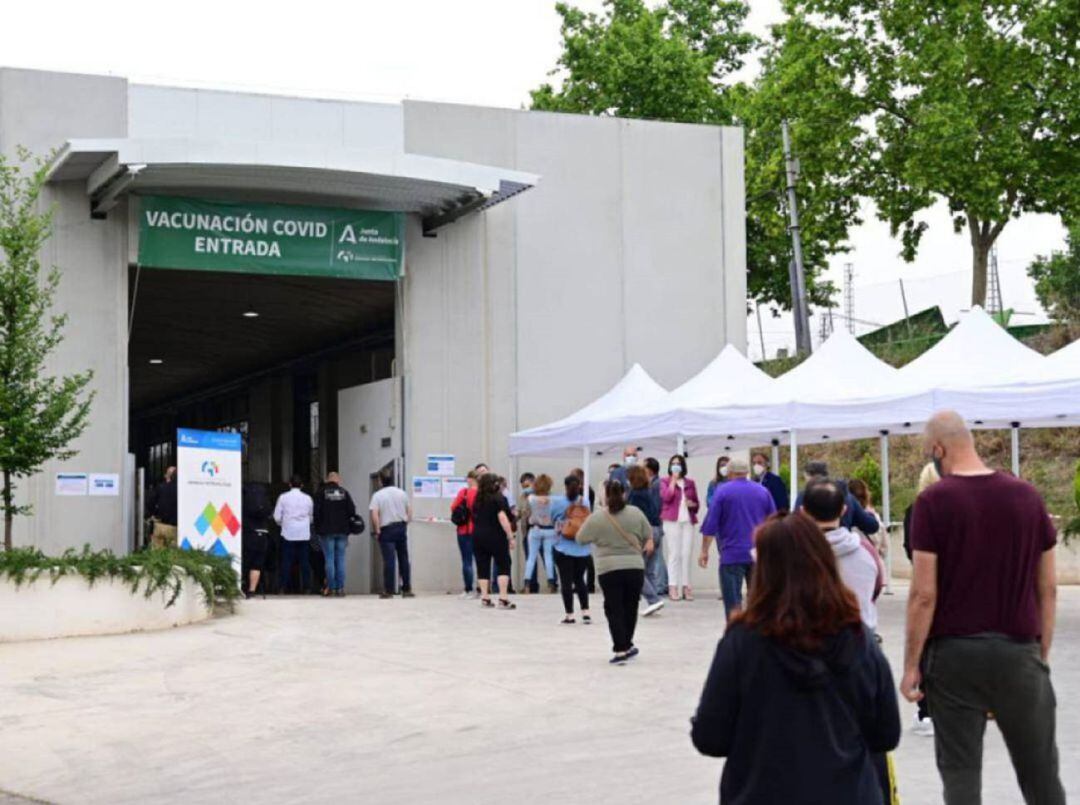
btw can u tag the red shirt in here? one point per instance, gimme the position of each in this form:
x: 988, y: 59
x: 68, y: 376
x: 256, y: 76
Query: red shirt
x: 989, y: 533
x: 465, y: 530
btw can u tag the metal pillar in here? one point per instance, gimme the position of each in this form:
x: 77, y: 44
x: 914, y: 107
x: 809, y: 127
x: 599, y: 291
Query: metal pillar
x: 585, y: 469
x: 886, y: 509
x: 680, y: 445
x: 1015, y: 434
x: 776, y: 456
x: 794, y: 466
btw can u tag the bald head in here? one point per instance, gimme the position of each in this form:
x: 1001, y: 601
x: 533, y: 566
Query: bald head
x: 950, y: 446
x: 947, y: 429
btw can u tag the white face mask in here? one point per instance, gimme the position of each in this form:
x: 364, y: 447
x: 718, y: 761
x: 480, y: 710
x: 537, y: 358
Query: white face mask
x: 759, y: 469
x: 630, y: 461
x: 724, y: 471
x: 676, y: 469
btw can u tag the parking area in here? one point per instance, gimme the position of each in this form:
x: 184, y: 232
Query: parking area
x: 405, y: 701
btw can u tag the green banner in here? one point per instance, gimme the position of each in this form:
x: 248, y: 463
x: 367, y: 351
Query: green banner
x: 202, y: 235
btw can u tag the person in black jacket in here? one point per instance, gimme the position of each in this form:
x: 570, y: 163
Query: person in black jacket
x: 161, y: 509
x: 256, y: 510
x: 333, y: 515
x: 855, y: 516
x: 799, y: 698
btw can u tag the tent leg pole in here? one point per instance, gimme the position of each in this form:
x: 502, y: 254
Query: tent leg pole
x: 776, y: 455
x: 511, y: 487
x: 794, y: 465
x: 680, y: 445
x: 886, y: 509
x: 585, y: 469
x: 1015, y: 434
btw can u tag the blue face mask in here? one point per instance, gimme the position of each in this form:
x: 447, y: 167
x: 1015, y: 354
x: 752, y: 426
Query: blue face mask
x: 676, y: 469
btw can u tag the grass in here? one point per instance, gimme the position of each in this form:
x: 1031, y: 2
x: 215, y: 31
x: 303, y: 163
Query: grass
x: 149, y: 571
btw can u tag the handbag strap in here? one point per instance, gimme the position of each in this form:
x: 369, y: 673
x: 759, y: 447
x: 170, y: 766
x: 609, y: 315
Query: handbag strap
x: 633, y: 542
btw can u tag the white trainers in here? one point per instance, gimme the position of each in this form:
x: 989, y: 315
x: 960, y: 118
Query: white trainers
x: 466, y: 596
x: 923, y: 727
x: 652, y: 609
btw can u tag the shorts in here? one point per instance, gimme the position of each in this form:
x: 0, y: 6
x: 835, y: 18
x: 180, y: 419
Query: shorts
x: 486, y: 552
x: 254, y: 547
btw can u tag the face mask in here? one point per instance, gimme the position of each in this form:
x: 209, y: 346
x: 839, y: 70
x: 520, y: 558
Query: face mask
x: 676, y: 469
x: 526, y: 489
x: 759, y: 469
x: 630, y: 461
x: 724, y: 471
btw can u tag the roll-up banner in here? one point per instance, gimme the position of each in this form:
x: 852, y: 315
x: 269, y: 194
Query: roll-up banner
x: 208, y: 493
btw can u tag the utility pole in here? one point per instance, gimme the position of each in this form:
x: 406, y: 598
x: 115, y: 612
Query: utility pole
x: 849, y: 296
x: 798, y: 276
x: 760, y: 332
x: 994, y: 304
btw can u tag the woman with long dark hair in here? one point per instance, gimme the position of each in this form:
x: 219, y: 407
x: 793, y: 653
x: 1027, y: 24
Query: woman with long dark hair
x: 799, y: 697
x: 679, y: 512
x: 493, y: 539
x: 619, y: 534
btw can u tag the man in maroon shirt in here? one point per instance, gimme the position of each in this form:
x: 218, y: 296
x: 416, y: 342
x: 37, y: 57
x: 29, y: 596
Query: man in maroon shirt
x: 981, y: 618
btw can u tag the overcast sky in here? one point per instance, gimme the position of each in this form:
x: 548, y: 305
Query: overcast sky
x: 488, y: 52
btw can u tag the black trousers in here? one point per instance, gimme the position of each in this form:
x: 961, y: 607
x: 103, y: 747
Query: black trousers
x: 572, y: 579
x: 967, y: 677
x: 622, y: 589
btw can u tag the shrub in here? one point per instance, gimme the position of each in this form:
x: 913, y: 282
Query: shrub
x: 153, y: 571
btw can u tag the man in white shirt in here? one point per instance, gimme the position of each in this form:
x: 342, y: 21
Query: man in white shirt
x: 293, y: 513
x: 390, y: 516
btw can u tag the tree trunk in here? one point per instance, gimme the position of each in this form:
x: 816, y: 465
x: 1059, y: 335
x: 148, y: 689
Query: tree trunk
x: 980, y: 253
x: 9, y: 517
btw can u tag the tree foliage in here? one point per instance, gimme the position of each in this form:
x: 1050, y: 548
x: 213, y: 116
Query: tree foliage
x: 972, y: 101
x: 1057, y: 280
x: 40, y: 415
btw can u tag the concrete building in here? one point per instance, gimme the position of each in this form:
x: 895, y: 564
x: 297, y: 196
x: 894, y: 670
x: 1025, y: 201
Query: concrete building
x: 542, y: 255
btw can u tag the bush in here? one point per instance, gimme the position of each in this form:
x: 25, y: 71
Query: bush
x: 153, y: 571
x: 869, y: 472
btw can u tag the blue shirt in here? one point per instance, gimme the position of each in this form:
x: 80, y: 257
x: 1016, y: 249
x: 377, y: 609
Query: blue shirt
x: 737, y: 507
x: 569, y: 547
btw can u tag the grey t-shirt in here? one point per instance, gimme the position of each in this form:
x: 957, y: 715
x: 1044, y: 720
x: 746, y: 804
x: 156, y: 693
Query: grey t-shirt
x: 391, y: 504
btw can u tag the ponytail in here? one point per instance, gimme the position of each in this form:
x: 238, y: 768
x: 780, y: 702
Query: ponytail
x: 616, y: 496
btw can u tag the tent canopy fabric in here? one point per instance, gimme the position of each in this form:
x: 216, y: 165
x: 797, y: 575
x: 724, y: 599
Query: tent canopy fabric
x: 840, y: 392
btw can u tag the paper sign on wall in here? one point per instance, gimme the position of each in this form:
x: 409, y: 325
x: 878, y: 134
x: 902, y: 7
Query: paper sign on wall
x: 451, y: 486
x: 424, y: 486
x: 104, y: 484
x: 71, y: 484
x: 438, y: 464
x: 208, y: 494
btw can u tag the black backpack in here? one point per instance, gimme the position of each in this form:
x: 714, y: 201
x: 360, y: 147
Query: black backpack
x: 461, y: 515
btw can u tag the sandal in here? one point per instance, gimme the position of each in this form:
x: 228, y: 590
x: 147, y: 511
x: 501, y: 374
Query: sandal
x: 586, y: 619
x: 486, y: 602
x: 688, y: 594
x: 504, y: 604
x: 568, y: 619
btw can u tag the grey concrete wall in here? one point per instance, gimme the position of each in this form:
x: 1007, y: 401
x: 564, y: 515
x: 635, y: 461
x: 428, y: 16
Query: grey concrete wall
x: 41, y: 110
x: 530, y: 310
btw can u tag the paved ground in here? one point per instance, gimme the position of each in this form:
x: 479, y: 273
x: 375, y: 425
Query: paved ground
x: 361, y: 700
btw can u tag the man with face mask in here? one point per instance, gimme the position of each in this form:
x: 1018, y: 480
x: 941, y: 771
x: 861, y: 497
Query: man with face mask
x: 764, y: 475
x: 618, y: 473
x: 980, y: 617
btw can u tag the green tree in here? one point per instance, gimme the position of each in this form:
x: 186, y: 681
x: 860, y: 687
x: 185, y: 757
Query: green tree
x: 1057, y: 280
x: 39, y: 415
x: 975, y: 102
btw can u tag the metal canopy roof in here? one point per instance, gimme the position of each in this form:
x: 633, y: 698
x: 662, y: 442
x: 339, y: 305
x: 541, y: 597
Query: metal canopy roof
x: 438, y: 190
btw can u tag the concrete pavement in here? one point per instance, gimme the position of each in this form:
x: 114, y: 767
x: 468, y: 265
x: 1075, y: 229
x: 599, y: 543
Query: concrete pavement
x: 431, y: 699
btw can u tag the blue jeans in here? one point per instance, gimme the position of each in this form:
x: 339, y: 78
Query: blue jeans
x: 655, y: 566
x: 541, y: 539
x: 333, y: 548
x: 295, y: 551
x: 464, y: 544
x: 731, y: 585
x: 394, y: 544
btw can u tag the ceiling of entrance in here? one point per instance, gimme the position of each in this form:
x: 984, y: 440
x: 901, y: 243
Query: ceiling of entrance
x: 193, y: 322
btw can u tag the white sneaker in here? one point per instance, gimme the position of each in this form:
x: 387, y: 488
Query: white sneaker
x: 652, y: 609
x: 465, y: 596
x: 923, y: 727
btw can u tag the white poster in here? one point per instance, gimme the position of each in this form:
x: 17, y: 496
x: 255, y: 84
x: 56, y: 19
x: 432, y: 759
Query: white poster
x: 208, y: 494
x: 70, y: 483
x: 451, y: 486
x: 424, y: 486
x: 440, y: 464
x: 105, y: 484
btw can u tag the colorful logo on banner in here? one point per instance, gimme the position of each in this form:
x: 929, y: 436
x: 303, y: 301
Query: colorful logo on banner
x: 216, y: 520
x: 211, y: 468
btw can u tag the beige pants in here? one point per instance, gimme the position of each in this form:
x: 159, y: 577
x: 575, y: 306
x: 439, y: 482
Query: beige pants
x: 679, y: 546
x: 163, y: 536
